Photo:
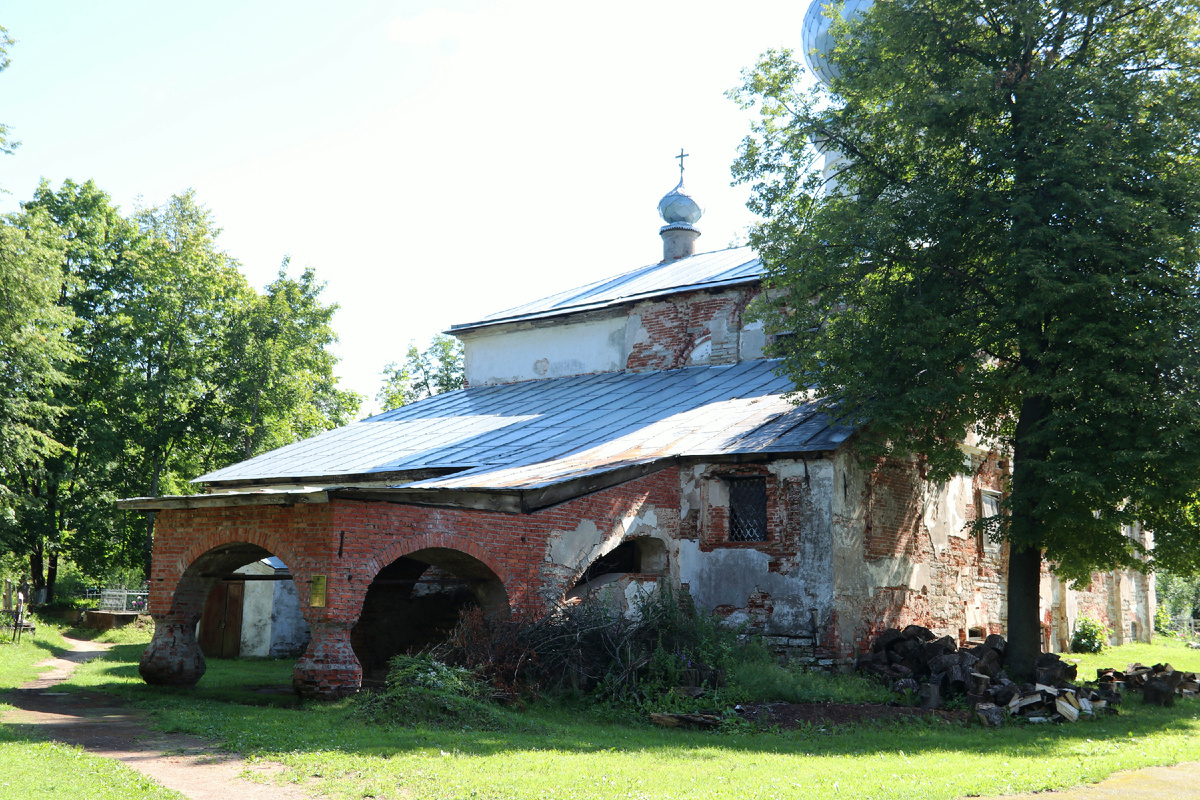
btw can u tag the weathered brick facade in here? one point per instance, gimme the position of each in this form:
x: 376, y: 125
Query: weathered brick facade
x: 512, y: 557
x: 847, y: 549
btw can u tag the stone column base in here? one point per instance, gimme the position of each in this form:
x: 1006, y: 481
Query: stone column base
x: 328, y: 669
x: 173, y: 657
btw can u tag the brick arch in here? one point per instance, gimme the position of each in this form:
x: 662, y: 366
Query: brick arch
x: 212, y: 541
x: 389, y: 618
x: 429, y: 541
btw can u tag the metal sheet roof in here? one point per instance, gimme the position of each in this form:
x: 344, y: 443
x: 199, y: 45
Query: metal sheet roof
x: 701, y: 271
x: 537, y: 433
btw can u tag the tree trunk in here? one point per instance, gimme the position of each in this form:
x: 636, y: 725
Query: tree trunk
x: 51, y: 575
x: 1024, y: 622
x: 36, y: 570
x: 1025, y: 552
x: 154, y: 476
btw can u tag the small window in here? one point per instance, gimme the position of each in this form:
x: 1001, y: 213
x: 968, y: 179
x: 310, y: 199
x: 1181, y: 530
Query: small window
x: 747, y: 509
x: 989, y: 506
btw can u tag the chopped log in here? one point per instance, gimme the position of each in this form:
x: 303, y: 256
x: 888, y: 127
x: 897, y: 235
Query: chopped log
x: 1068, y: 711
x: 1158, y: 693
x: 1071, y: 698
x: 990, y: 714
x: 931, y: 696
x: 1086, y: 707
x: 1049, y: 691
x: 997, y: 643
x: 1003, y: 695
x: 886, y: 638
x: 918, y: 632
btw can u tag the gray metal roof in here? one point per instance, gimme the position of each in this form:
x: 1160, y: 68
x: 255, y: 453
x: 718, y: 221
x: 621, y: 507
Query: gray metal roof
x: 539, y: 433
x: 701, y: 271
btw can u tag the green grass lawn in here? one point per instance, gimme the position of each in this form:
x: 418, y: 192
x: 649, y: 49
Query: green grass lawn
x: 31, y: 769
x: 562, y: 753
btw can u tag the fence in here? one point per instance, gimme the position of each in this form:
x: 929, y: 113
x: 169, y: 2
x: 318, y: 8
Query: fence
x: 122, y: 600
x: 1186, y: 627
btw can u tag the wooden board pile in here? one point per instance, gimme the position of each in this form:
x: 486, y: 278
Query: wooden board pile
x: 1159, y: 684
x: 917, y: 660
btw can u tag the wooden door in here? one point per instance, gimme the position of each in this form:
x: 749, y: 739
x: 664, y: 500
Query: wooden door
x: 221, y: 623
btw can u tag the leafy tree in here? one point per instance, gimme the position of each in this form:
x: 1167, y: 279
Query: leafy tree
x: 66, y: 496
x: 1179, y: 594
x: 183, y: 368
x: 1009, y: 251
x: 277, y: 382
x: 33, y: 351
x: 437, y: 369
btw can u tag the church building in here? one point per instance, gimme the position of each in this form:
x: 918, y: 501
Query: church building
x: 625, y: 435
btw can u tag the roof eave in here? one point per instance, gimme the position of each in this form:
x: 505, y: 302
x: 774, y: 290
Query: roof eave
x: 584, y: 307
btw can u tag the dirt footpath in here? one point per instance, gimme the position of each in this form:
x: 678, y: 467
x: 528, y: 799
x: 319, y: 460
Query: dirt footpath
x: 103, y: 726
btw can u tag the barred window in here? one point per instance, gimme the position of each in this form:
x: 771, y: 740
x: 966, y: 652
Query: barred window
x: 747, y: 509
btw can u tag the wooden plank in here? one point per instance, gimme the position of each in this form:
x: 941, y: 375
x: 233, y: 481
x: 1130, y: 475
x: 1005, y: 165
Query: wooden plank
x: 222, y: 500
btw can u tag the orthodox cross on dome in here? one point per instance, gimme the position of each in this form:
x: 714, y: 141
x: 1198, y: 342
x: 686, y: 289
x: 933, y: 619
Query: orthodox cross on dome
x: 682, y: 155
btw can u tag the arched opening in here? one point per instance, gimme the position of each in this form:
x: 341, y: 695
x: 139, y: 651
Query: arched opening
x: 251, y: 608
x: 416, y: 600
x: 644, y: 557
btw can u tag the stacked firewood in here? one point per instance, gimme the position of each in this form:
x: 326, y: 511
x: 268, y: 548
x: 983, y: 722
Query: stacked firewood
x: 1159, y: 684
x: 917, y: 660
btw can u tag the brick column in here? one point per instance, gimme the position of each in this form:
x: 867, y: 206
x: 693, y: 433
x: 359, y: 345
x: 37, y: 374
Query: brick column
x: 328, y: 669
x: 173, y: 657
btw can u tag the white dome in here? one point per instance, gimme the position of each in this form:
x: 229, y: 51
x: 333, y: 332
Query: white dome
x: 815, y: 36
x: 678, y: 207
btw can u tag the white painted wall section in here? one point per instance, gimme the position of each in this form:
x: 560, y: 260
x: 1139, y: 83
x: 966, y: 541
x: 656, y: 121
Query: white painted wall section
x: 507, y: 355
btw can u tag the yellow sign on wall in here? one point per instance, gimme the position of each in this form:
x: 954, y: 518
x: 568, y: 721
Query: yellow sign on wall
x: 316, y: 591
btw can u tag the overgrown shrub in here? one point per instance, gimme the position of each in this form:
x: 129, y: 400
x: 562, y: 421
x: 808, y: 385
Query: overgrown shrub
x: 1090, y: 636
x: 421, y: 689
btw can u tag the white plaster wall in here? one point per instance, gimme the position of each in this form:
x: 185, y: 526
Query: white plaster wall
x: 752, y: 342
x: 257, y: 603
x: 507, y: 354
x: 289, y: 630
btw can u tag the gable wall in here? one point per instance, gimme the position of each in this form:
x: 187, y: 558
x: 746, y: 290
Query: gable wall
x: 684, y: 330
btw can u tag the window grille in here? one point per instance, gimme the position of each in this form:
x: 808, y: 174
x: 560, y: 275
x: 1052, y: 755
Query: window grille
x: 747, y: 509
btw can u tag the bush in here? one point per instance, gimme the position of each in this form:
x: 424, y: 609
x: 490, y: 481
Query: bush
x: 1090, y: 636
x: 1162, y: 621
x: 421, y: 689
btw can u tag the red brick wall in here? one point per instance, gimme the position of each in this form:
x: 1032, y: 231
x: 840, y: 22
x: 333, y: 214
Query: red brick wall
x: 893, y: 511
x: 672, y: 329
x: 372, y: 535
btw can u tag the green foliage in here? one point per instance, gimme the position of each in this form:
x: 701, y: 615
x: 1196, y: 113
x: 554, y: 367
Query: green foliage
x: 1162, y: 621
x: 173, y: 366
x: 437, y: 369
x: 422, y: 690
x: 1011, y: 247
x: 33, y: 348
x: 1090, y: 636
x: 1179, y: 594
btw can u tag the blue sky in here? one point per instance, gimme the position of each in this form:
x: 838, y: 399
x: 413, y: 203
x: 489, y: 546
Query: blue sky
x: 435, y: 162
